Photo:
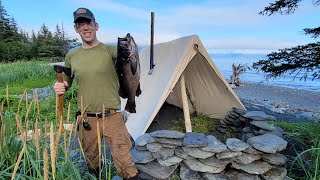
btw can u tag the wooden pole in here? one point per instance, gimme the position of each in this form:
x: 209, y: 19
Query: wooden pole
x: 151, y: 44
x: 185, y: 105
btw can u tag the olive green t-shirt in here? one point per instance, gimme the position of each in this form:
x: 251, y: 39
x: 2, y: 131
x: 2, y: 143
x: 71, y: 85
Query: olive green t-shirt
x: 94, y: 71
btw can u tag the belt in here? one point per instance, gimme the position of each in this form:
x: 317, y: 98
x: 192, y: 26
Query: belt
x: 107, y: 113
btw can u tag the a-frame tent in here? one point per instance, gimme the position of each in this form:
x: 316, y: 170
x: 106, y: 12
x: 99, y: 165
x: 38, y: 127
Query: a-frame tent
x: 207, y: 90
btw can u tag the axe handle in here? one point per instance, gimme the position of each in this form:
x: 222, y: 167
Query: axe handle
x: 60, y: 101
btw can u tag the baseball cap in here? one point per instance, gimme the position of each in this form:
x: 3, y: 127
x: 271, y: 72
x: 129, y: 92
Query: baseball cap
x: 84, y: 13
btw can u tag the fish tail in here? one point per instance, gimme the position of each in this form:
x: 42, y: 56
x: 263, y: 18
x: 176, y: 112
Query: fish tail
x: 131, y: 106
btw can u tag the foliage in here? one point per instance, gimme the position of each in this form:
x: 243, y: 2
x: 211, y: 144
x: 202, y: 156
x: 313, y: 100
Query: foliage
x: 200, y: 123
x: 303, y: 59
x: 16, y: 45
x: 307, y: 161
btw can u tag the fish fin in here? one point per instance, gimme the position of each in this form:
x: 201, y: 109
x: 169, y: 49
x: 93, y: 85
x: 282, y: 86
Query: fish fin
x: 134, y: 67
x: 131, y: 106
x: 138, y: 92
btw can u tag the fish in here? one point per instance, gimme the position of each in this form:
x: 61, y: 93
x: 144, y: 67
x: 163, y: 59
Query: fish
x: 128, y: 71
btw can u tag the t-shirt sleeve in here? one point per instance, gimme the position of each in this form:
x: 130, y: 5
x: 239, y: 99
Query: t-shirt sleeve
x: 113, y: 52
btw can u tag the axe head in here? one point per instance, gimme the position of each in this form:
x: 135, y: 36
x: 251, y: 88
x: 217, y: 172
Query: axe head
x: 60, y: 69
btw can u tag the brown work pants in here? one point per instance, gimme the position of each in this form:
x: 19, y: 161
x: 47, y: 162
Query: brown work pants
x: 114, y: 130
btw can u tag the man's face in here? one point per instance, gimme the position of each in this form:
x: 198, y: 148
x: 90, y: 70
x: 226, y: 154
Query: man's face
x: 86, y: 29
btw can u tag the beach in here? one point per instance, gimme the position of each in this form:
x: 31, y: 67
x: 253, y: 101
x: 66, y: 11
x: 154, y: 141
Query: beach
x: 287, y: 104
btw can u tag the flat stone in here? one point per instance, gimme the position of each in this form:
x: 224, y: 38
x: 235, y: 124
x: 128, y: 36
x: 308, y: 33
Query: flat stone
x: 247, y: 158
x: 215, y: 162
x: 174, y: 142
x: 196, y: 165
x: 256, y: 167
x: 236, y: 175
x: 180, y: 153
x: 247, y: 136
x: 251, y: 150
x: 231, y: 113
x: 258, y: 116
x: 247, y: 130
x: 117, y: 178
x: 239, y: 111
x: 197, y: 153
x: 214, y: 145
x: 263, y: 125
x: 145, y: 176
x: 144, y: 139
x: 168, y: 146
x: 193, y: 139
x: 210, y: 176
x: 235, y: 144
x: 154, y: 147
x: 228, y: 154
x: 268, y: 143
x: 277, y: 133
x: 170, y: 161
x: 163, y: 154
x: 141, y: 148
x: 279, y: 129
x: 141, y: 156
x: 167, y: 134
x: 276, y: 159
x: 188, y: 174
x: 277, y: 173
x: 154, y: 169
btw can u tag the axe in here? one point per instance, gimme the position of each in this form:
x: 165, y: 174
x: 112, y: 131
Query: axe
x: 67, y: 71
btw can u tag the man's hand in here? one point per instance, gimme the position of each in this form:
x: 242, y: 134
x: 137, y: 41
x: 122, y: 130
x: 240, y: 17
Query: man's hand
x: 60, y: 88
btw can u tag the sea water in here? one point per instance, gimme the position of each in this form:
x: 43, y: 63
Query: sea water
x: 225, y: 61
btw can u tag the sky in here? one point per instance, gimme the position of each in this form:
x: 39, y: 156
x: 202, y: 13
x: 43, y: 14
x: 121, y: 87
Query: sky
x: 232, y: 26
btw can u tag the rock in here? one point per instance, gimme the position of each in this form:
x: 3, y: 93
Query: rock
x: 188, y: 174
x: 239, y: 111
x: 174, y: 142
x: 276, y: 159
x: 144, y: 139
x: 251, y: 150
x: 228, y: 154
x: 197, y: 153
x: 210, y: 176
x: 273, y: 109
x: 145, y: 176
x: 170, y: 161
x: 258, y: 116
x: 263, y: 125
x: 305, y: 116
x: 196, y: 165
x: 247, y: 130
x: 141, y: 148
x: 277, y: 173
x: 279, y: 129
x: 180, y: 153
x: 256, y: 167
x: 117, y: 178
x: 244, y: 137
x: 235, y: 115
x: 277, y: 133
x: 154, y: 147
x: 168, y: 146
x: 215, y: 162
x: 247, y: 158
x: 193, y: 139
x: 167, y: 134
x: 236, y: 175
x: 163, y: 154
x: 141, y: 156
x: 235, y: 144
x: 154, y: 169
x: 268, y: 143
x: 214, y: 145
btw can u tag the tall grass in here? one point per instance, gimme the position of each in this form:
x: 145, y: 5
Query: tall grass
x: 25, y: 75
x: 305, y: 138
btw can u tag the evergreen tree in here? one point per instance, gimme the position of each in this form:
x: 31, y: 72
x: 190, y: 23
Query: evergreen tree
x: 303, y: 59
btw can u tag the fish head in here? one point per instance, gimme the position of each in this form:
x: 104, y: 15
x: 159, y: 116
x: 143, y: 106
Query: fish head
x: 126, y: 47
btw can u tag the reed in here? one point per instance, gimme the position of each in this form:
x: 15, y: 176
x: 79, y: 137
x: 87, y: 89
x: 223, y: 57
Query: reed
x: 36, y: 138
x: 45, y: 164
x: 19, y: 160
x: 52, y: 152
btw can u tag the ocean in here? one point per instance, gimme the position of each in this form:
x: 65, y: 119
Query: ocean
x: 224, y: 63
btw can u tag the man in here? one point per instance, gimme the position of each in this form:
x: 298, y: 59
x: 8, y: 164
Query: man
x: 93, y: 67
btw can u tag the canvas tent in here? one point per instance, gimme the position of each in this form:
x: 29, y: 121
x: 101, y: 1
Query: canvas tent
x: 208, y: 91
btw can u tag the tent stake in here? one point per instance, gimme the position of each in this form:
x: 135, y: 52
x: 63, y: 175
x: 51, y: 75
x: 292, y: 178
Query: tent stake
x: 185, y: 105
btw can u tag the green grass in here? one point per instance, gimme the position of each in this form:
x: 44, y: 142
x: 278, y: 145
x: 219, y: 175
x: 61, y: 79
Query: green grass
x: 305, y: 142
x: 200, y: 123
x: 25, y: 75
